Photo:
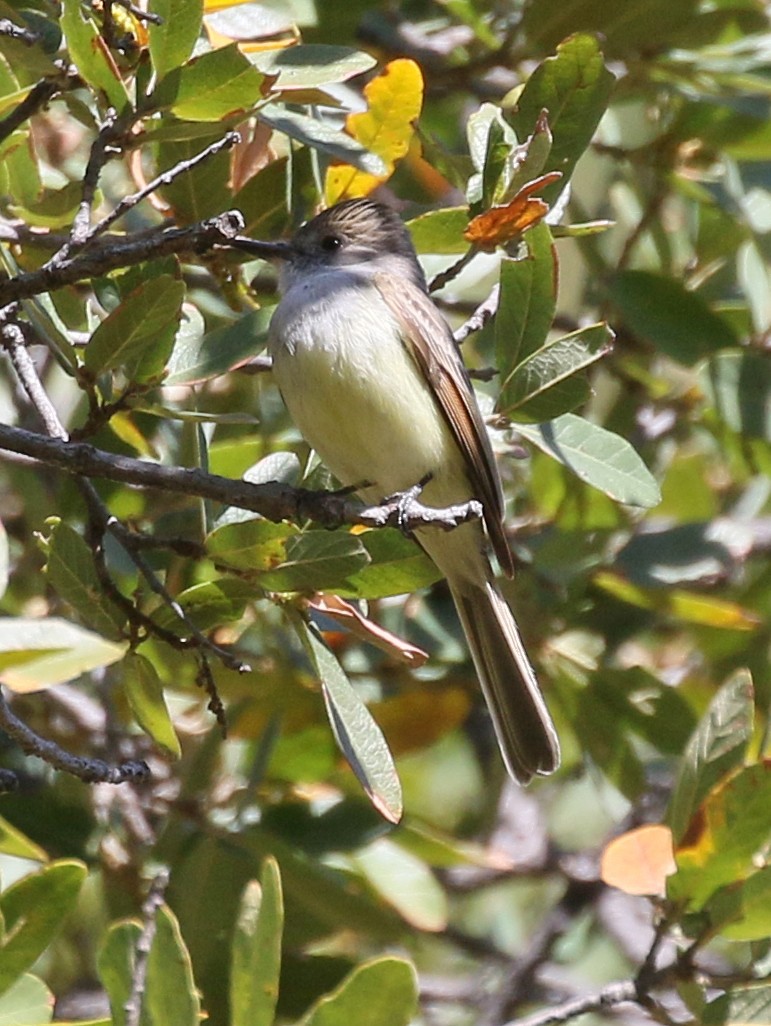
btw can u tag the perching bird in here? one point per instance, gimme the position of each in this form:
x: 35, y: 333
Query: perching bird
x: 373, y: 378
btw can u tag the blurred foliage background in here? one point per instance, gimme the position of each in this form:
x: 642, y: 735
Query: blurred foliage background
x: 634, y: 883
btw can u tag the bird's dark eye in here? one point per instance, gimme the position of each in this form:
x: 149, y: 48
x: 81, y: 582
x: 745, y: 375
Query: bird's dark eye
x: 330, y: 243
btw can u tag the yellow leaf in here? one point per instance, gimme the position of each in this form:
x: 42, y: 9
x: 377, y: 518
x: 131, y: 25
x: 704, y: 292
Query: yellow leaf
x: 639, y: 861
x: 394, y: 100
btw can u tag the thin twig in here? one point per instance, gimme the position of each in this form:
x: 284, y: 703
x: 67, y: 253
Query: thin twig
x: 91, y: 771
x: 133, y: 1007
x: 611, y: 995
x: 102, y: 148
x: 480, y: 316
x: 34, y: 101
x: 273, y: 499
x: 26, y: 36
x: 440, y: 280
x: 165, y: 178
x: 110, y: 254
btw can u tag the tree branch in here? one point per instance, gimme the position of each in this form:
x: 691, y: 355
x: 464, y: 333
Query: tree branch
x: 118, y: 252
x: 273, y: 500
x: 91, y: 771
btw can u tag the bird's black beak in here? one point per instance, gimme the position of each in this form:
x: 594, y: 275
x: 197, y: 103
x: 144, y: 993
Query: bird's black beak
x: 264, y: 250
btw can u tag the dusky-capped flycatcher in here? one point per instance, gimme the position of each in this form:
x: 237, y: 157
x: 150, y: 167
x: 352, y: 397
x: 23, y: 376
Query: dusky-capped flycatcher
x: 374, y: 380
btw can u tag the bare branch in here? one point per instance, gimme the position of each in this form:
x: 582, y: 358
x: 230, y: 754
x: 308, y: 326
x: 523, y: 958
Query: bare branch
x: 97, y: 260
x: 273, y: 500
x: 480, y: 316
x: 227, y: 142
x: 26, y: 36
x: 611, y: 995
x: 91, y: 771
x: 152, y: 903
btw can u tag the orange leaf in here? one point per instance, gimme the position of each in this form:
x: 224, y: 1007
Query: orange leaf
x: 500, y: 225
x: 394, y: 101
x: 639, y: 861
x: 367, y: 630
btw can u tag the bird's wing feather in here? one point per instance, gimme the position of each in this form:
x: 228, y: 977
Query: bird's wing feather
x: 429, y: 339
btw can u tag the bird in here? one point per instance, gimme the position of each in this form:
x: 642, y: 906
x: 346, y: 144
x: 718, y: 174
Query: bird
x: 372, y: 377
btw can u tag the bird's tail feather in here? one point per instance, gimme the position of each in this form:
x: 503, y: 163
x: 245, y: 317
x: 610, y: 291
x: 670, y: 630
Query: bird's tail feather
x: 523, y: 726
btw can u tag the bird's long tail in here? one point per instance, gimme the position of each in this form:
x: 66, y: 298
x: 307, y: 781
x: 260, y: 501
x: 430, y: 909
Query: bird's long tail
x: 523, y: 726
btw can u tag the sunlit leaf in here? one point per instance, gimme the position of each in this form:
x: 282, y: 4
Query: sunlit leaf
x: 726, y: 838
x: 528, y: 293
x: 91, y: 54
x: 639, y: 861
x: 145, y: 694
x: 36, y: 654
x: 717, y: 746
x: 360, y: 739
x: 573, y: 87
x: 382, y: 992
x: 406, y: 882
x: 71, y: 570
x: 315, y: 64
x: 598, y: 456
x: 138, y: 334
x: 394, y: 100
x: 315, y: 561
x: 34, y: 910
x: 172, y: 42
x: 257, y: 950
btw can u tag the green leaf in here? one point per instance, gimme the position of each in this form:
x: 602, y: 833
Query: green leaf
x: 574, y: 87
x: 263, y: 200
x: 308, y: 66
x: 172, y: 42
x: 208, y: 605
x: 717, y: 746
x: 661, y: 311
x: 440, y: 231
x: 53, y: 208
x: 738, y: 386
x: 254, y: 544
x: 72, y: 573
x: 203, y: 190
x: 256, y: 964
x: 726, y: 839
x: 145, y: 695
x: 315, y: 561
x: 36, y: 654
x: 404, y: 881
x: 397, y: 566
x: 599, y: 457
x: 531, y: 381
x: 358, y: 736
x: 748, y: 1005
x: 91, y: 54
x: 170, y: 997
x: 34, y: 910
x: 27, y: 1002
x: 115, y: 966
x: 211, y: 86
x: 742, y: 911
x: 321, y: 136
x: 194, y: 360
x: 5, y: 556
x: 13, y: 842
x: 627, y: 28
x: 527, y: 301
x: 382, y: 992
x: 139, y: 333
